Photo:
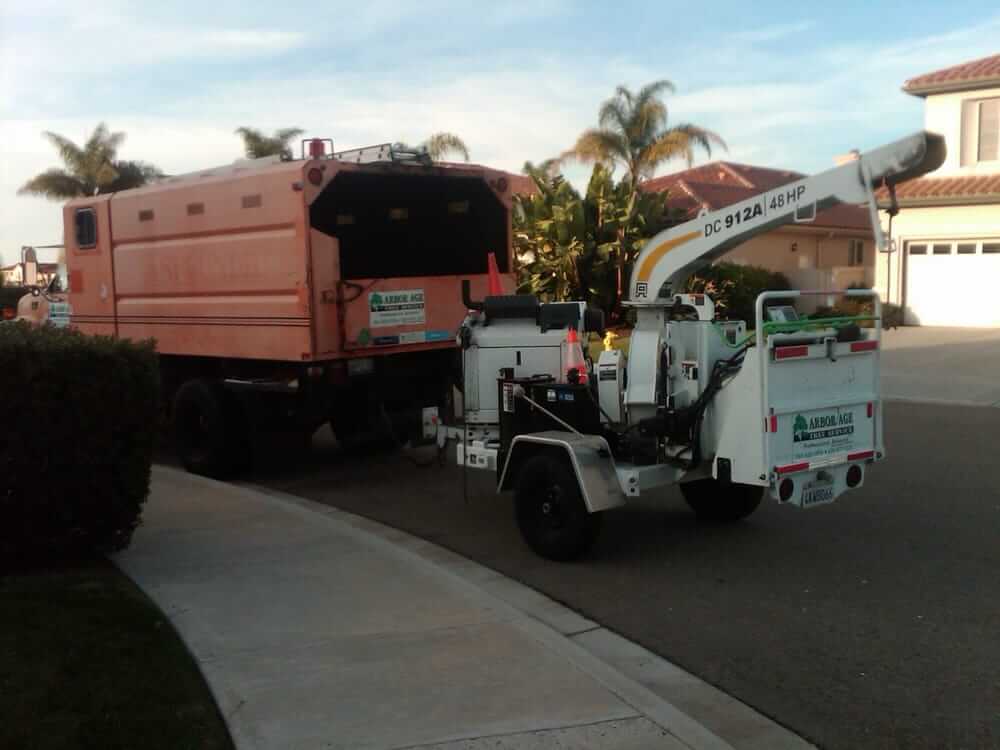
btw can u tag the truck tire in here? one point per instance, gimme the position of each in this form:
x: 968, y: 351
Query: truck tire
x: 711, y: 500
x: 551, y: 512
x: 208, y: 437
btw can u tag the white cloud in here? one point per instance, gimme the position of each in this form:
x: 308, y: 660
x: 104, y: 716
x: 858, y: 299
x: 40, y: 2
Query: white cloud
x: 773, y: 33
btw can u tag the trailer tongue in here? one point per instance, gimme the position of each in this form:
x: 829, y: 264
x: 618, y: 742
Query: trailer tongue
x: 791, y: 409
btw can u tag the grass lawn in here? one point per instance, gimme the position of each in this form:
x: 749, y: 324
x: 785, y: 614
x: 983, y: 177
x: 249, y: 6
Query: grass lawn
x: 87, y: 661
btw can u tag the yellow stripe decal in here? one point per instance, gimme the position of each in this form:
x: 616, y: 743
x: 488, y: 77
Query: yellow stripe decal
x: 646, y: 269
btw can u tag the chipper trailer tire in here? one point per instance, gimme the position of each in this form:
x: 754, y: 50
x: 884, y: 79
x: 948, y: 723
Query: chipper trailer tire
x: 790, y: 410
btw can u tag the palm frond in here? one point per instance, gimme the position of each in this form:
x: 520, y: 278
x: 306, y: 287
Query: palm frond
x: 55, y: 184
x: 597, y: 145
x: 440, y: 144
x: 615, y: 113
x: 286, y: 134
x: 680, y: 141
x: 256, y: 145
x: 71, y: 154
x: 90, y: 169
x: 653, y: 90
x: 131, y: 174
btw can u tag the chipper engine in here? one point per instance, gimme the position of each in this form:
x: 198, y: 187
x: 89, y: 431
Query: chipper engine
x: 789, y: 408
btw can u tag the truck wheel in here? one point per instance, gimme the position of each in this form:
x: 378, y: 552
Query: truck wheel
x: 207, y: 435
x: 711, y: 500
x: 551, y: 512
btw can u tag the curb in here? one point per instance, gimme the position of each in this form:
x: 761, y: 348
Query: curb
x: 653, y: 686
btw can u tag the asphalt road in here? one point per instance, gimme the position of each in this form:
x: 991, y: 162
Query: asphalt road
x: 870, y: 623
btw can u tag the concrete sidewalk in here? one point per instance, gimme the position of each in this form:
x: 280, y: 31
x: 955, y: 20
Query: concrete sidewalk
x: 319, y: 629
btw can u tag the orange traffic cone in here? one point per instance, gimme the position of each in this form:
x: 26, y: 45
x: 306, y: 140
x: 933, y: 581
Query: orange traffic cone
x: 496, y: 288
x: 574, y: 365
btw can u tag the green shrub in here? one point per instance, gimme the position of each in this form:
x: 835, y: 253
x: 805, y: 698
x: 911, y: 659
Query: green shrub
x: 892, y: 314
x: 77, y: 427
x: 734, y: 288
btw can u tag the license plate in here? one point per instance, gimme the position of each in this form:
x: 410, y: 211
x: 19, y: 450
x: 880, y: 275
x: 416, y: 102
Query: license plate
x: 817, y: 495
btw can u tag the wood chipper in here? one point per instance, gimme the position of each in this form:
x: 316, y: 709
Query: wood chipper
x: 790, y: 408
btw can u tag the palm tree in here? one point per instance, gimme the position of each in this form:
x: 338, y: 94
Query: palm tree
x: 90, y: 169
x: 633, y: 131
x: 257, y: 145
x: 441, y: 144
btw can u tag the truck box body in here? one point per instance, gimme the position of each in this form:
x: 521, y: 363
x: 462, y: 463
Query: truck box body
x: 291, y: 261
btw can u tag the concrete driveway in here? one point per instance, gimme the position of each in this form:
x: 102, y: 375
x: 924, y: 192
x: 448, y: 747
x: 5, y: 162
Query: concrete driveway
x: 945, y: 365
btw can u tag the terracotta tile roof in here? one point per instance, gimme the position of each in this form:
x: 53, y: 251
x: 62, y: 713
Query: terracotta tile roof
x: 970, y: 75
x: 929, y: 191
x: 521, y: 184
x: 720, y: 183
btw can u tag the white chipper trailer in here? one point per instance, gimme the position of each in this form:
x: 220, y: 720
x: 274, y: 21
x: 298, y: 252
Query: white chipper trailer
x: 791, y: 409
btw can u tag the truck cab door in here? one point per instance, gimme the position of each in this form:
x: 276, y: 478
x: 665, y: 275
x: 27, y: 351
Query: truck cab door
x: 88, y: 241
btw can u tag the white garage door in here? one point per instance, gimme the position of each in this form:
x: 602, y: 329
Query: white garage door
x: 953, y: 283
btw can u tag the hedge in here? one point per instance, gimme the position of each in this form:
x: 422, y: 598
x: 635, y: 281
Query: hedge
x: 78, y: 418
x: 734, y: 288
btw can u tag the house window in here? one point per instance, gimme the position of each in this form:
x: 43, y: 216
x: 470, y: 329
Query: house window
x: 989, y: 130
x: 86, y: 228
x: 942, y: 249
x: 966, y: 248
x: 918, y: 249
x: 856, y: 253
x: 991, y: 247
x: 980, y: 131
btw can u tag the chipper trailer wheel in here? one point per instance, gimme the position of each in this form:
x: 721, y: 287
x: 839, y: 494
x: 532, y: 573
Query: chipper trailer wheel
x: 551, y: 512
x: 208, y: 437
x: 719, y: 502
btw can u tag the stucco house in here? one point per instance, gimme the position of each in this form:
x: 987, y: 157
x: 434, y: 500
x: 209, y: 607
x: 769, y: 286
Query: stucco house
x: 831, y: 252
x: 947, y: 235
x: 13, y: 275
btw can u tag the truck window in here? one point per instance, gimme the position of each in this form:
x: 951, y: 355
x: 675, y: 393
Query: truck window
x: 86, y: 228
x: 399, y: 225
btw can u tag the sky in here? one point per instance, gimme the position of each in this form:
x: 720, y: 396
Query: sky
x: 786, y: 84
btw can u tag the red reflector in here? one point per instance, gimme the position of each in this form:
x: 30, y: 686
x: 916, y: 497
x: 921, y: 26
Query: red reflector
x: 784, y: 352
x: 864, y: 346
x: 9, y: 313
x: 791, y: 468
x: 860, y: 455
x: 315, y: 176
x: 871, y: 409
x: 774, y: 423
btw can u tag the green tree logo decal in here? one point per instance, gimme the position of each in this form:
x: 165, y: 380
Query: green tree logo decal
x: 374, y: 301
x: 801, y: 425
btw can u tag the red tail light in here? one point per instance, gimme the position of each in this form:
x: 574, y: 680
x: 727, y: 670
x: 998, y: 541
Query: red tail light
x: 786, y: 489
x: 9, y: 313
x: 864, y: 346
x: 786, y: 352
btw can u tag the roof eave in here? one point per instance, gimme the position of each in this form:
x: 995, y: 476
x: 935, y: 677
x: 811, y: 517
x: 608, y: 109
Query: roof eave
x: 944, y: 200
x: 952, y: 87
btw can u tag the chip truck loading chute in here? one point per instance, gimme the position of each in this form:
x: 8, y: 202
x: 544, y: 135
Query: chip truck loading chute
x: 791, y: 409
x: 285, y: 293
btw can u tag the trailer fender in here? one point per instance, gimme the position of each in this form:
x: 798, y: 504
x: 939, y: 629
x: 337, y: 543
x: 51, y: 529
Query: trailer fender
x: 589, y: 455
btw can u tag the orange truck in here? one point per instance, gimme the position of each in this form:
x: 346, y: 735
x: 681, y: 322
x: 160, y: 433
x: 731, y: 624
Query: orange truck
x: 283, y: 294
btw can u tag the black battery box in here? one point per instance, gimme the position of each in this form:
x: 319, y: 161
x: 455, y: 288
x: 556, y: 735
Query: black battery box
x: 572, y: 404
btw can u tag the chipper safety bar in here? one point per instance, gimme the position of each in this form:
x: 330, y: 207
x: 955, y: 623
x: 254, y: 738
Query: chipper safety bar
x: 791, y: 409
